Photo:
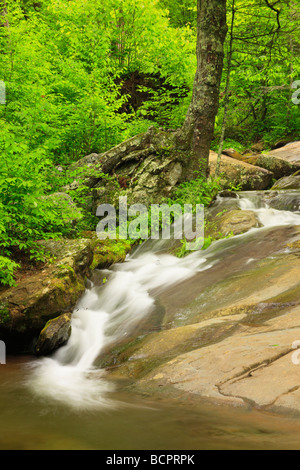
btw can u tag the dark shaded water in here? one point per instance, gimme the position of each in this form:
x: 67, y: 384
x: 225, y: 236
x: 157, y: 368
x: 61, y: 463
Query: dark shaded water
x: 34, y: 424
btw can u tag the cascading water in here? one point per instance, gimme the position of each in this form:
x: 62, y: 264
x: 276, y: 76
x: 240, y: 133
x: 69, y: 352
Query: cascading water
x: 106, y: 314
x: 268, y: 216
x: 103, y: 316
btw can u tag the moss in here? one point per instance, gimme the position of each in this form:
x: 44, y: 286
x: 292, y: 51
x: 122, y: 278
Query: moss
x: 108, y: 252
x: 65, y: 270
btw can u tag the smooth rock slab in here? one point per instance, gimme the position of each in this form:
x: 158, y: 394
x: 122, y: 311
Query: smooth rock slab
x: 224, y: 371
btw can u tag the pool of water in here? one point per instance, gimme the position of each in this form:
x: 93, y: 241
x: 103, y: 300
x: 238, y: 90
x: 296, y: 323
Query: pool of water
x: 28, y: 422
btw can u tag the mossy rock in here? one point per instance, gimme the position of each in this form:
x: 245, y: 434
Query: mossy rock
x: 46, y: 294
x: 289, y: 182
x: 279, y: 167
x: 55, y: 334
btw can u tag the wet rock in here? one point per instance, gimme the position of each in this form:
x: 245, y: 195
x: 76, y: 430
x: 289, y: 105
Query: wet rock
x: 237, y: 369
x: 238, y: 329
x: 237, y: 222
x: 224, y: 220
x: 253, y: 362
x: 283, y: 200
x: 227, y: 193
x: 55, y: 334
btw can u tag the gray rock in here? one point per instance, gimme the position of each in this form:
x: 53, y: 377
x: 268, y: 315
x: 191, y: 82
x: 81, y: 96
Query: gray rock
x: 55, y: 333
x: 236, y: 173
x: 45, y: 294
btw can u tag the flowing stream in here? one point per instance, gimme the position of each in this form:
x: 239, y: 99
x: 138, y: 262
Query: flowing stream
x: 66, y: 402
x: 107, y: 314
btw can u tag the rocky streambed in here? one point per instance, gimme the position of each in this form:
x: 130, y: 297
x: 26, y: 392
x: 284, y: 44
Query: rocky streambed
x: 218, y: 325
x: 228, y: 333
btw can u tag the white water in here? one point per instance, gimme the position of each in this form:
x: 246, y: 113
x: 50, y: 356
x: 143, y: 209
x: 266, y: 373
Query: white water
x: 103, y: 316
x: 108, y: 313
x: 267, y: 216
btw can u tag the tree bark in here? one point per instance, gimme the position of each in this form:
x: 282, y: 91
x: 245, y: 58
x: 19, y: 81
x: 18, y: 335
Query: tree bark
x: 3, y: 14
x: 197, y: 132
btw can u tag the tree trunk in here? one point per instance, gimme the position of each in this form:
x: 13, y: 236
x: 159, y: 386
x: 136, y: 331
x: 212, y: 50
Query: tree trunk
x: 3, y: 14
x: 197, y: 132
x: 227, y: 92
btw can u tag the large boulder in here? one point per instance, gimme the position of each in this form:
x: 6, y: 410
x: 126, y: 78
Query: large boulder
x: 237, y: 323
x: 290, y: 152
x: 145, y: 168
x: 28, y: 308
x: 46, y: 294
x: 225, y: 218
x: 278, y: 166
x: 237, y: 222
x: 235, y: 173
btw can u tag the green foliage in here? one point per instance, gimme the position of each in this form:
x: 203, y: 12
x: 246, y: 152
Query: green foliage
x: 64, y: 62
x: 183, y: 13
x: 228, y: 143
x: 202, y: 243
x: 7, y: 270
x: 27, y: 212
x: 197, y: 191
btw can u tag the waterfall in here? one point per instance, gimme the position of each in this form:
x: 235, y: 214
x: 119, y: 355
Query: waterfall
x: 109, y: 313
x: 103, y: 316
x: 268, y: 216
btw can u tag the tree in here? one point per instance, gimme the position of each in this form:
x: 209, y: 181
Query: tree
x: 190, y: 145
x: 264, y: 64
x: 3, y: 14
x: 197, y: 131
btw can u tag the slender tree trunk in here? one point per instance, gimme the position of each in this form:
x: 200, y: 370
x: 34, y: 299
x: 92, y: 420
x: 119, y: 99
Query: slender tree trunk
x: 197, y: 132
x: 227, y: 92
